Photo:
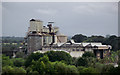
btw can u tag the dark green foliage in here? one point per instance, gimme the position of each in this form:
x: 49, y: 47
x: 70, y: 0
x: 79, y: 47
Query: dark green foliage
x: 95, y: 39
x: 56, y: 62
x: 8, y: 49
x: 20, y: 55
x: 107, y: 68
x: 59, y: 56
x: 63, y: 69
x: 18, y: 62
x: 8, y: 45
x: 6, y: 61
x: 85, y: 61
x: 12, y: 39
x: 85, y: 71
x: 33, y: 73
x: 81, y: 61
x: 88, y: 54
x: 43, y: 66
x: 8, y: 70
x: 118, y: 53
x: 91, y: 61
x: 99, y: 66
x: 113, y: 40
x: 32, y: 56
x: 79, y: 38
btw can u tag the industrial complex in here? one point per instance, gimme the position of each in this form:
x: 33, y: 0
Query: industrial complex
x: 42, y: 38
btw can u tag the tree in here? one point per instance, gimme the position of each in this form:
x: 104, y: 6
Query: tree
x: 20, y: 55
x: 88, y: 54
x: 32, y: 56
x: 89, y: 70
x: 43, y: 66
x: 107, y: 69
x: 8, y: 70
x: 118, y: 53
x: 95, y: 39
x: 18, y: 62
x: 99, y: 66
x: 81, y: 61
x: 59, y: 56
x: 6, y: 61
x: 79, y: 38
x: 63, y: 69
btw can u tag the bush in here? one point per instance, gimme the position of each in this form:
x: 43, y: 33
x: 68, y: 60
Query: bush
x: 13, y: 70
x: 88, y: 54
x: 81, y: 62
x: 99, y: 67
x: 89, y: 70
x: 18, y: 62
x: 20, y: 55
x: 63, y: 69
x: 107, y: 69
x: 6, y: 61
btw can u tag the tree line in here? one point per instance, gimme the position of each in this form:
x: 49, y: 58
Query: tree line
x: 58, y: 63
x: 112, y: 40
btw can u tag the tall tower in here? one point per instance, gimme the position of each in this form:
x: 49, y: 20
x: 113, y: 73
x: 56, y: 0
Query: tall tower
x: 34, y: 36
x: 36, y: 25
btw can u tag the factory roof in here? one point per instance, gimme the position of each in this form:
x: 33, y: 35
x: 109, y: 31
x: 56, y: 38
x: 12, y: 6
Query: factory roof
x: 36, y: 20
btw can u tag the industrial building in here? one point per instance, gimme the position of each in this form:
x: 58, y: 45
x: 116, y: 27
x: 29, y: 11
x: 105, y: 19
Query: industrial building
x: 42, y: 38
x: 39, y: 35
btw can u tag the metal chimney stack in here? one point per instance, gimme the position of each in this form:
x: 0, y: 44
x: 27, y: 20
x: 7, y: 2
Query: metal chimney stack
x: 51, y: 32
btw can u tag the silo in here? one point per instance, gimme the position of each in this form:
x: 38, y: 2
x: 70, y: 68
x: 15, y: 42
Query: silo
x: 47, y: 39
x: 34, y: 42
x: 61, y: 38
x: 36, y: 25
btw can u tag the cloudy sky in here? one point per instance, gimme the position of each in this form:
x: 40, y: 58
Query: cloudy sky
x: 88, y: 18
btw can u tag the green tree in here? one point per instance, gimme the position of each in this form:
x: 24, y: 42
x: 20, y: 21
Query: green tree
x: 107, y: 69
x: 95, y: 39
x: 90, y: 70
x: 63, y: 69
x: 59, y: 56
x: 6, y: 61
x: 20, y: 55
x: 118, y: 53
x: 18, y: 62
x: 88, y: 54
x: 32, y: 56
x: 8, y: 70
x: 43, y: 66
x: 79, y: 38
x: 99, y: 66
x: 81, y: 61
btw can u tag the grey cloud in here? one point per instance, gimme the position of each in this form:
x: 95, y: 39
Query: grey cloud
x: 82, y: 17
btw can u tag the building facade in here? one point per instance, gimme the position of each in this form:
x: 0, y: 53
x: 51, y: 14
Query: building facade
x: 41, y: 38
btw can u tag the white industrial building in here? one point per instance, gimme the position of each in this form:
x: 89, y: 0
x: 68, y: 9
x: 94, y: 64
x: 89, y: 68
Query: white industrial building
x: 41, y: 38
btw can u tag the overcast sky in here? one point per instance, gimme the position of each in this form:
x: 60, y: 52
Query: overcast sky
x: 88, y: 18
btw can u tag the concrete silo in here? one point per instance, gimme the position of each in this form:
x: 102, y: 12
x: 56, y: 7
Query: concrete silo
x: 34, y: 42
x: 36, y: 25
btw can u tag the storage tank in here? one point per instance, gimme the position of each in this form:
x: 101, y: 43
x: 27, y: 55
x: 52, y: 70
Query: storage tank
x: 34, y: 42
x: 36, y: 25
x: 61, y: 38
x: 47, y: 39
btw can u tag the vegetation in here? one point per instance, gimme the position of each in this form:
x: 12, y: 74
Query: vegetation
x: 88, y: 54
x: 59, y: 56
x: 112, y: 40
x: 60, y: 62
x: 43, y: 64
